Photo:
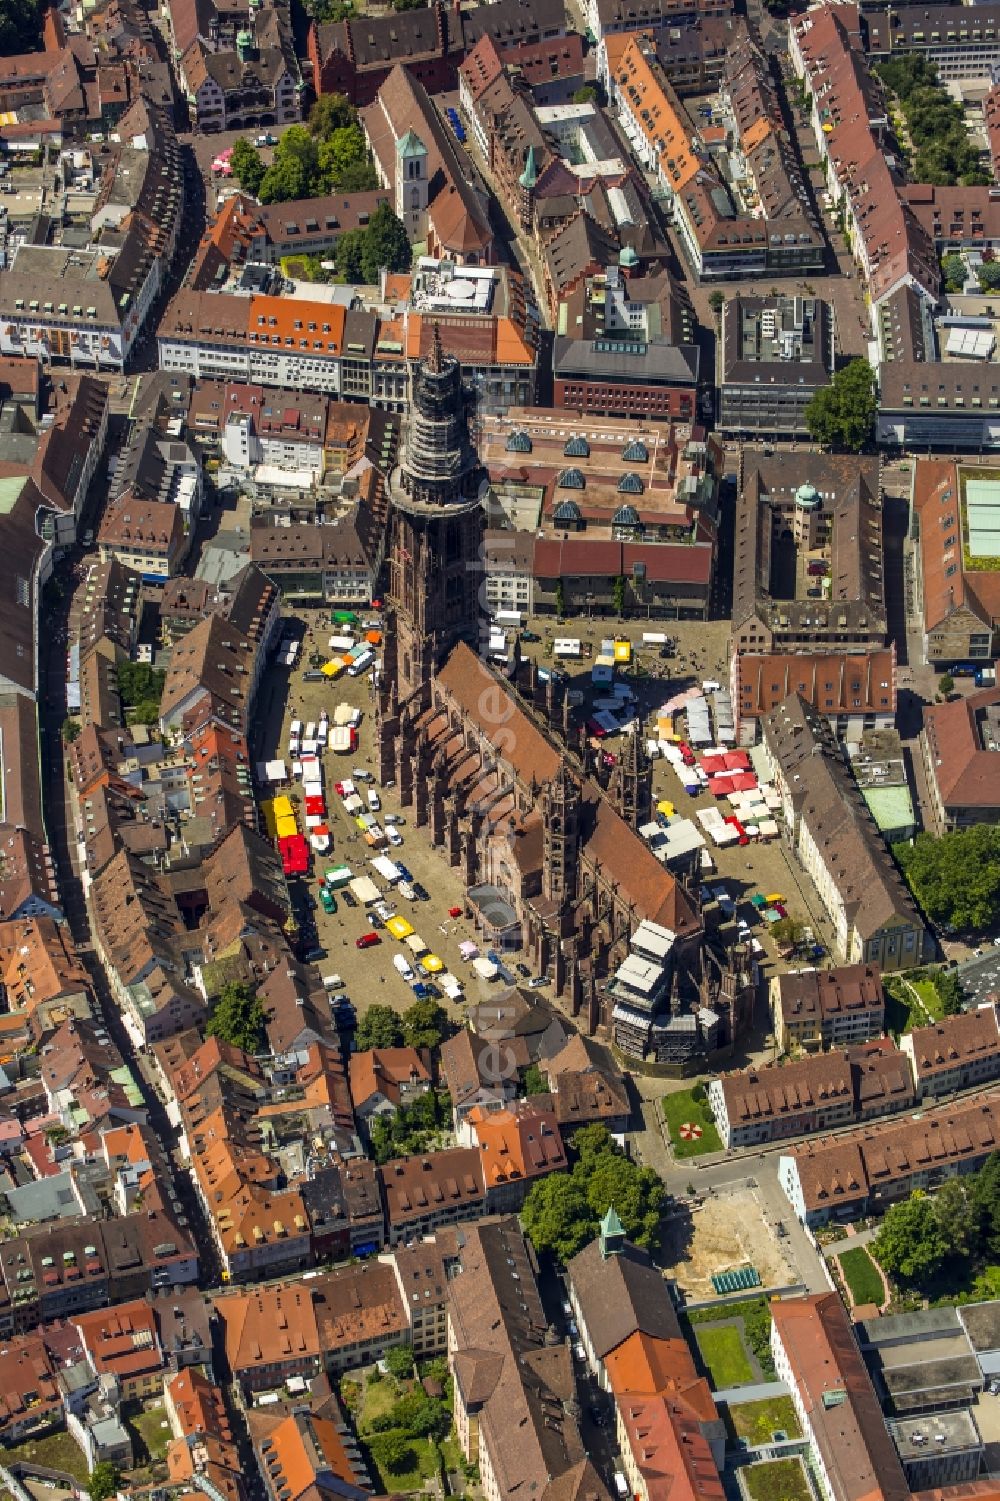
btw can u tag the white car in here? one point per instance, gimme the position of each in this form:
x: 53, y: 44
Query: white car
x: 374, y: 801
x: 393, y: 835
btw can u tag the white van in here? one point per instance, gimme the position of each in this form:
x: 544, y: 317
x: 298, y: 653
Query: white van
x: 404, y: 968
x: 374, y: 801
x: 362, y: 664
x: 333, y: 982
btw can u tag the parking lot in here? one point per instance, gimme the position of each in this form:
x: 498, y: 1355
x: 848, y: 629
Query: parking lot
x: 369, y: 975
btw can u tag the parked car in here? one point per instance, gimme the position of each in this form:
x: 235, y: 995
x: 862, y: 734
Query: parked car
x: 350, y: 899
x: 530, y: 636
x: 393, y: 835
x: 329, y: 901
x: 367, y: 941
x: 403, y: 871
x: 523, y: 969
x: 422, y: 894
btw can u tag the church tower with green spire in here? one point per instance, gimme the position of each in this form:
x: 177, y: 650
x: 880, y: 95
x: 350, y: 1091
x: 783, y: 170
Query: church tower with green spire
x: 527, y: 182
x: 612, y: 1234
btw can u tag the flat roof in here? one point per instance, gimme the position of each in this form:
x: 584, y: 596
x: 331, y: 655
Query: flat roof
x: 891, y: 807
x: 982, y: 511
x: 981, y: 1322
x: 935, y: 1434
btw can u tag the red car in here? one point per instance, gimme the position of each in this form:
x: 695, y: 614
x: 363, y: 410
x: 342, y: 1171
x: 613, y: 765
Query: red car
x: 454, y: 911
x: 687, y: 754
x: 367, y: 941
x: 338, y: 788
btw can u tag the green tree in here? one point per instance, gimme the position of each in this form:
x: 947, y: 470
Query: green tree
x: 636, y: 1192
x: 347, y: 255
x: 421, y: 1416
x: 909, y: 1244
x: 238, y: 1018
x: 138, y: 681
x: 535, y: 1081
x: 248, y: 169
x: 557, y: 1217
x: 560, y: 597
x: 284, y: 182
x: 20, y: 27
x: 786, y: 930
x: 395, y: 1452
x: 949, y: 989
x: 343, y: 163
x: 146, y: 711
x: 618, y: 595
x: 71, y: 729
x: 842, y: 414
x: 424, y: 1024
x: 329, y: 113
x: 986, y: 1198
x: 590, y: 1143
x: 586, y: 95
x: 717, y: 302
x: 957, y: 1215
x: 399, y: 1361
x: 385, y: 244
x: 956, y: 878
x: 989, y: 276
x: 379, y: 1027
x: 104, y: 1481
x: 946, y: 684
x: 953, y: 269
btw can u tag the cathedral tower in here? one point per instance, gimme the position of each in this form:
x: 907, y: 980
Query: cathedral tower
x: 560, y: 836
x: 437, y: 522
x: 632, y: 782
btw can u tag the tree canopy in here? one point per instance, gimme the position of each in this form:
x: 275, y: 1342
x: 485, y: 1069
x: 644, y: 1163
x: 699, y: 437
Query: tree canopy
x: 104, y: 1481
x: 361, y: 253
x: 942, y: 153
x: 425, y: 1024
x: 380, y: 1027
x: 910, y: 1243
x: 238, y: 1018
x: 953, y: 270
x: 410, y: 1128
x: 138, y: 682
x: 842, y: 414
x: 20, y: 27
x: 248, y: 167
x: 562, y: 1211
x: 956, y: 878
x: 327, y: 155
x: 949, y: 1239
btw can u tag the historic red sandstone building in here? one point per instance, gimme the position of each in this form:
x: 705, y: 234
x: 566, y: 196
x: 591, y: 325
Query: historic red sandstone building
x: 546, y: 840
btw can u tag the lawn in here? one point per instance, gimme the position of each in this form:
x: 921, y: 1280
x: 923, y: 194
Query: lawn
x: 777, y: 1480
x: 861, y: 1276
x: 757, y: 1422
x: 682, y: 1109
x: 725, y: 1355
x: 56, y: 1451
x: 423, y: 1465
x: 150, y: 1431
x: 379, y: 1398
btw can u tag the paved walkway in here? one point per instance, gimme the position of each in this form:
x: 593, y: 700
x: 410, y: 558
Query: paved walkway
x: 849, y: 1243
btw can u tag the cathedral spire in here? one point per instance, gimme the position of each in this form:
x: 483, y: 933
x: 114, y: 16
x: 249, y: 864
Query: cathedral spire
x: 435, y: 360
